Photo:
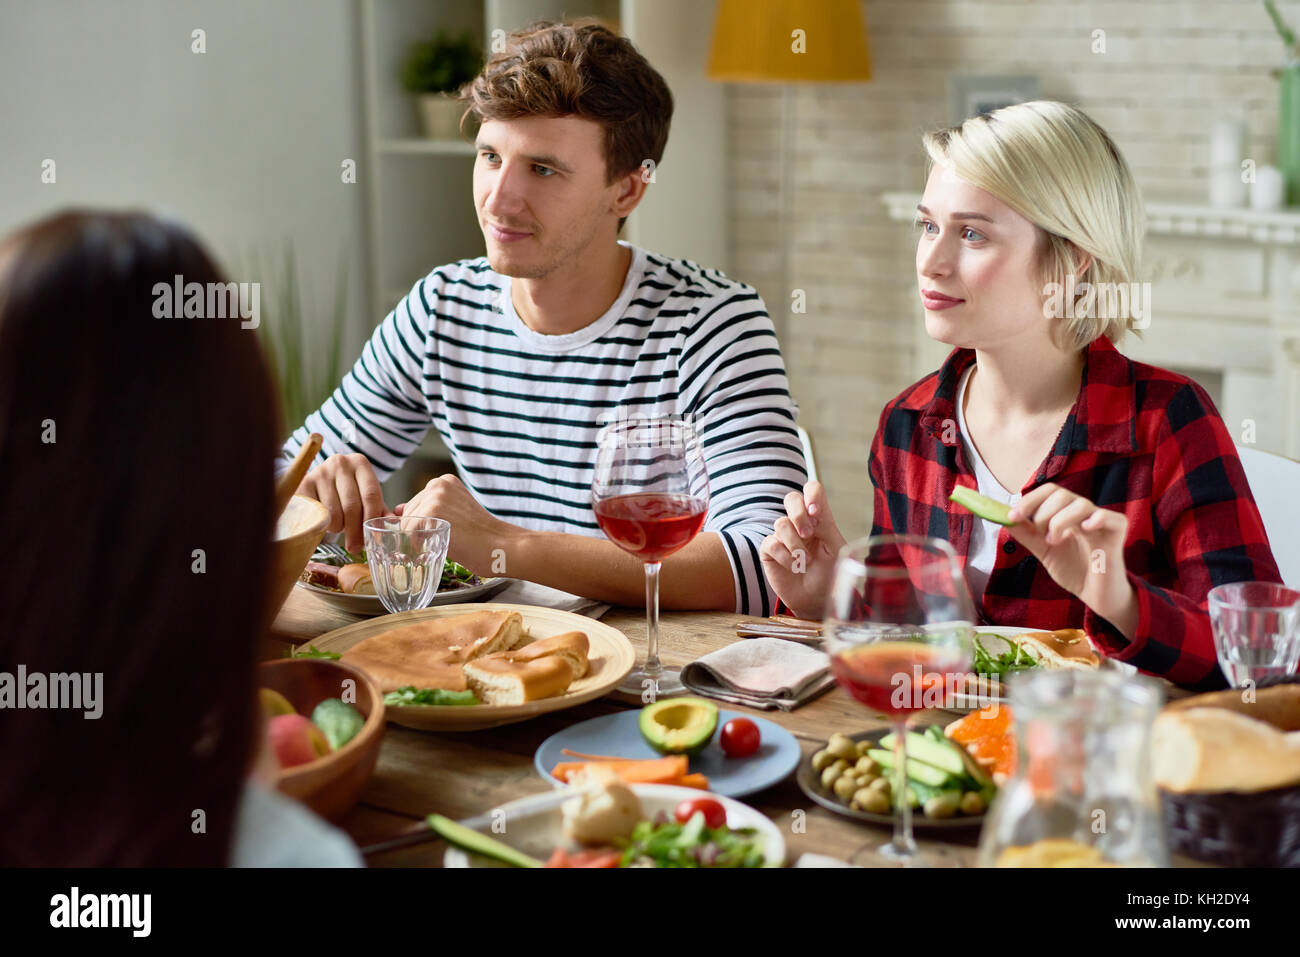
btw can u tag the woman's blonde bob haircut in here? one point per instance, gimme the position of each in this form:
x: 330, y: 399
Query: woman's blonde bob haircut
x: 1057, y: 168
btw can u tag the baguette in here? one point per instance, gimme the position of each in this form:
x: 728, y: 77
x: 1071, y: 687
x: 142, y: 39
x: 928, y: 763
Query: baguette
x: 1213, y: 749
x: 1278, y: 705
x: 354, y: 579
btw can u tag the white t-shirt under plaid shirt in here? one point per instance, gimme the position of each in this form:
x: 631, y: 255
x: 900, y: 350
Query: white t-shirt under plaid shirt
x: 520, y: 411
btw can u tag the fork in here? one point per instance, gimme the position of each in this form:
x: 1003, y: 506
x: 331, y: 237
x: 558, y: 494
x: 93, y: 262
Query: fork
x: 781, y: 626
x: 329, y: 552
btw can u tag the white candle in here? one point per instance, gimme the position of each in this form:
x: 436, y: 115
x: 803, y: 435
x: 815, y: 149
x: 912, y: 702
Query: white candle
x: 1268, y: 189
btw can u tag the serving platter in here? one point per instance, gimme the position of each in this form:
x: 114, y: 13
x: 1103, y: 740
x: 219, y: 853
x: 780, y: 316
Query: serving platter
x: 610, y: 658
x: 619, y: 734
x: 534, y: 824
x: 370, y: 605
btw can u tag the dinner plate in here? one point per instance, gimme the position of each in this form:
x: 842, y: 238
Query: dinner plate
x: 370, y: 605
x: 619, y: 735
x: 610, y: 657
x: 810, y: 783
x: 534, y: 824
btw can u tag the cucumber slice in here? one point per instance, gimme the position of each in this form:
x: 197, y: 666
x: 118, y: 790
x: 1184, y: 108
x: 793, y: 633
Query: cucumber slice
x: 940, y: 754
x: 472, y: 840
x: 981, y: 505
x: 916, y: 770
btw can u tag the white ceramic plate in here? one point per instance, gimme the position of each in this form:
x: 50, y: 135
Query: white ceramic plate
x: 370, y: 605
x: 533, y: 824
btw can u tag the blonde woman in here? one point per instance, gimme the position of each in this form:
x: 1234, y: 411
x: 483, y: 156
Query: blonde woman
x: 1129, y: 500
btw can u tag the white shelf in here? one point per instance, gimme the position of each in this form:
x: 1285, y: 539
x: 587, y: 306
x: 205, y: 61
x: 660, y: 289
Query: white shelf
x: 1277, y: 227
x: 426, y: 147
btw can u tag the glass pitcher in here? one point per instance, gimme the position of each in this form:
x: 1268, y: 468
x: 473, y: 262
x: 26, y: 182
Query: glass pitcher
x: 1082, y: 794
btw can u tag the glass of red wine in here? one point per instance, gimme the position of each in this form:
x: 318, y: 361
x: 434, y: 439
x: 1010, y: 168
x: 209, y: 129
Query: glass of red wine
x: 650, y: 492
x: 899, y: 630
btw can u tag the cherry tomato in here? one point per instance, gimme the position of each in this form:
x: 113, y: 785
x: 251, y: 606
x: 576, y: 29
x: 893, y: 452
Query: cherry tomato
x: 740, y: 738
x: 715, y: 815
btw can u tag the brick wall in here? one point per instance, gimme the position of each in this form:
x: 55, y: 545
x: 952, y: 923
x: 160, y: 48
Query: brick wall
x: 1169, y: 70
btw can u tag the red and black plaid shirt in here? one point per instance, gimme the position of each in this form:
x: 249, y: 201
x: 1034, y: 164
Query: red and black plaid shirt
x: 1140, y: 440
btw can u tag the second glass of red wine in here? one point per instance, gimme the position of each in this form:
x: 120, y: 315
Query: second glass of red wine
x: 899, y: 630
x: 650, y: 492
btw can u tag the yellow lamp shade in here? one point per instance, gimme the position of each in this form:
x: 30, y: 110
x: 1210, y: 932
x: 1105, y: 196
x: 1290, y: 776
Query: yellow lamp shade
x: 790, y: 41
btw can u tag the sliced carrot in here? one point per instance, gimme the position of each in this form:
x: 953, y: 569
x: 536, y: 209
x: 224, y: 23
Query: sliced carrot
x: 666, y: 770
x: 593, y: 757
x: 694, y: 781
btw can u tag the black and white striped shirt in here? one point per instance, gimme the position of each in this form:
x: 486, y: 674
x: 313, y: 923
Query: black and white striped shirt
x: 520, y: 411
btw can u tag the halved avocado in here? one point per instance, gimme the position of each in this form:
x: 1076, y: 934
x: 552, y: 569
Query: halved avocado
x: 981, y: 505
x: 679, y: 725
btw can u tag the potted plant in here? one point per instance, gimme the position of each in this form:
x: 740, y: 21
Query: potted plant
x: 435, y: 70
x: 1288, y: 133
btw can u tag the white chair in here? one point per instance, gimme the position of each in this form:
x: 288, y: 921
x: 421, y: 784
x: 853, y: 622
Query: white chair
x: 1275, y: 483
x: 806, y: 440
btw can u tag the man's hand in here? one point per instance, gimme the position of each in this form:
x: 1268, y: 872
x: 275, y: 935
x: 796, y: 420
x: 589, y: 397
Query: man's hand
x: 348, y: 486
x: 799, y: 556
x: 1082, y: 547
x: 475, y: 533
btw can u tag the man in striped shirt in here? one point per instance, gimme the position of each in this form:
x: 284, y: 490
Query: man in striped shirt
x: 517, y: 358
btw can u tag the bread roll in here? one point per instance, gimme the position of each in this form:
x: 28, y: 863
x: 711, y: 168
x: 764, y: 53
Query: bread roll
x: 572, y: 646
x: 1213, y: 749
x: 354, y: 579
x: 1067, y: 648
x: 499, y: 679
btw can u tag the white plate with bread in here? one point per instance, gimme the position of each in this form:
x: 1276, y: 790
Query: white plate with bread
x: 519, y: 660
x: 1064, y: 648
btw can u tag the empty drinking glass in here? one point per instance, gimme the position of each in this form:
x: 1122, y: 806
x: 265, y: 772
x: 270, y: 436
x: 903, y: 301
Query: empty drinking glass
x: 1256, y: 630
x: 406, y: 556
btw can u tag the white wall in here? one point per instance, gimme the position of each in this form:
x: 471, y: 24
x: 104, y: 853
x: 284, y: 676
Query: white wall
x: 244, y: 142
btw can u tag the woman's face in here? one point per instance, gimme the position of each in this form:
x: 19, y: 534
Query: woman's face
x: 976, y: 266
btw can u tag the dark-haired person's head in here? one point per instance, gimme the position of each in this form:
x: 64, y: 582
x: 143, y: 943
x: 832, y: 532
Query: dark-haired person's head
x: 574, y: 123
x: 136, y: 501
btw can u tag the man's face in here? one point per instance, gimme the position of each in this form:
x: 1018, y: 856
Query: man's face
x: 541, y: 193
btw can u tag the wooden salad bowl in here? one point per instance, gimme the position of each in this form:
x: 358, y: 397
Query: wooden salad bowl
x: 332, y: 784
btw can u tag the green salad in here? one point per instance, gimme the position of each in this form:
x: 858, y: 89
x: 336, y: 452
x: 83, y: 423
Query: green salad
x: 666, y: 843
x: 1000, y: 666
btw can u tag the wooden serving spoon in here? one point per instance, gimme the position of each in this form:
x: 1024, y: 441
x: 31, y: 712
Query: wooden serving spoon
x: 288, y: 483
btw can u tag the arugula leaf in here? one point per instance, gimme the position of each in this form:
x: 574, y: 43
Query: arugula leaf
x: 435, y: 697
x: 311, y: 651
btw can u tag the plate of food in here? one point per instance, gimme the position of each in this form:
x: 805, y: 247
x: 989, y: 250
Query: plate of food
x: 468, y: 667
x: 853, y: 776
x: 1003, y: 651
x: 677, y: 740
x: 607, y: 823
x: 342, y: 579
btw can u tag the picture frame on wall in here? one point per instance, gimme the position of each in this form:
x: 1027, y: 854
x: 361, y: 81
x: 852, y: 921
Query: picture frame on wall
x: 974, y: 95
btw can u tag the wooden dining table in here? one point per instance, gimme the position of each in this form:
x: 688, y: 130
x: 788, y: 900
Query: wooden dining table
x: 465, y: 774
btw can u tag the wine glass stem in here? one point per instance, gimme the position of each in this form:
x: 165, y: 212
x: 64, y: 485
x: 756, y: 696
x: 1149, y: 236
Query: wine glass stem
x: 652, y: 665
x: 903, y: 842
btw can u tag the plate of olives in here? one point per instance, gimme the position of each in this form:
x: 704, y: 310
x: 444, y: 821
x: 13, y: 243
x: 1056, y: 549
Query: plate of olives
x: 847, y: 776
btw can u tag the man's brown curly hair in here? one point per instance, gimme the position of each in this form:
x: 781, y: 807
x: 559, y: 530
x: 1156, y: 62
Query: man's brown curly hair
x: 584, y: 69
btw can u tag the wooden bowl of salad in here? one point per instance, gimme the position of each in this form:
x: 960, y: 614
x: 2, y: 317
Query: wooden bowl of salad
x: 332, y: 784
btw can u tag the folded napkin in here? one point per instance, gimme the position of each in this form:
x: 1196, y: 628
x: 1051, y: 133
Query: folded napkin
x: 531, y: 593
x: 763, y: 673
